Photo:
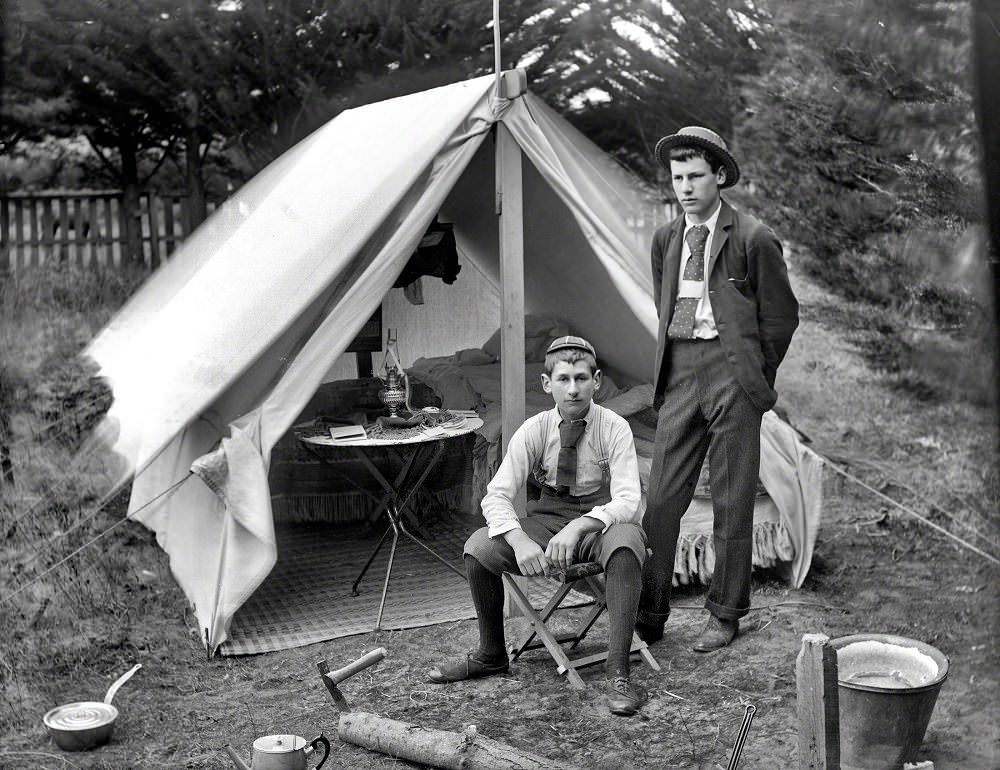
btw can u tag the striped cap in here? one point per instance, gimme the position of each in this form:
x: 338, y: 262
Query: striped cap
x: 569, y: 341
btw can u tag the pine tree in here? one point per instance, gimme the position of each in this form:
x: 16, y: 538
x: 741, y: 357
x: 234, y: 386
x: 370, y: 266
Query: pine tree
x: 629, y: 71
x: 249, y: 79
x: 81, y: 58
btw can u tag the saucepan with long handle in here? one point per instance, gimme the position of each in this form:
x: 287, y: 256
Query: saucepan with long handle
x: 84, y: 725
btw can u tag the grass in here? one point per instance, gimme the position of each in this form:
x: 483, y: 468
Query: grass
x: 68, y: 635
x: 50, y: 401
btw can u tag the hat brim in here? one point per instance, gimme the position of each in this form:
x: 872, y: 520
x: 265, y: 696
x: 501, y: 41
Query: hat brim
x: 667, y: 143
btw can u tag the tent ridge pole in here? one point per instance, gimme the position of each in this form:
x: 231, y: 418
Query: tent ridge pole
x: 496, y: 44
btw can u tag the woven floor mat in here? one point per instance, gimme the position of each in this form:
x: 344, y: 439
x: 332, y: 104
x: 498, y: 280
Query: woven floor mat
x: 307, y: 597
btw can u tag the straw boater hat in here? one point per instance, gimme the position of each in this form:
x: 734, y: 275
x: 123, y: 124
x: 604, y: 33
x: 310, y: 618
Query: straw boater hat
x: 703, y: 139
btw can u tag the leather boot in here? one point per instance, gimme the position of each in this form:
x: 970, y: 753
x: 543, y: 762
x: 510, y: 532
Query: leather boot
x: 624, y: 697
x: 649, y: 632
x: 717, y: 634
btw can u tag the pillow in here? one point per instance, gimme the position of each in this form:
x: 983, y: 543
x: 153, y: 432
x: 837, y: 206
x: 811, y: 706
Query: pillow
x: 538, y: 335
x: 473, y: 357
x: 447, y: 380
x: 608, y: 390
x: 628, y: 402
x: 484, y: 380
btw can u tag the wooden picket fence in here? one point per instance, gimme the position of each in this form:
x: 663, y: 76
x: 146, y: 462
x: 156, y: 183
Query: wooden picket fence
x: 88, y: 227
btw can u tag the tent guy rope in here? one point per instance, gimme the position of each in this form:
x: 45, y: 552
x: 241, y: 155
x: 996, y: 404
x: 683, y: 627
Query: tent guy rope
x: 66, y: 484
x: 910, y: 511
x: 97, y: 537
x: 886, y: 472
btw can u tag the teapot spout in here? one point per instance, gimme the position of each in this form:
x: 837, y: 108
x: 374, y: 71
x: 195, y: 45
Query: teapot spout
x: 240, y: 764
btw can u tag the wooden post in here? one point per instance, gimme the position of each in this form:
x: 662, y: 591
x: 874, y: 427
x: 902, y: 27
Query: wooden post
x: 109, y: 229
x: 818, y: 704
x: 36, y: 236
x: 19, y: 238
x: 61, y: 245
x: 6, y: 261
x: 79, y: 237
x: 95, y: 229
x: 170, y: 240
x: 509, y: 207
x: 153, y: 217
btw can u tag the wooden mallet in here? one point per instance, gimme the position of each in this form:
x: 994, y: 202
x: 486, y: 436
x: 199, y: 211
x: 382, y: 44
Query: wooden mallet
x: 333, y: 678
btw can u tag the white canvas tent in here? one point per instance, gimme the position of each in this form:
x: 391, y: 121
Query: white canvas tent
x: 215, y: 357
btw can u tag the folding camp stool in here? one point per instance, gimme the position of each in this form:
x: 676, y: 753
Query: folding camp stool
x: 587, y: 572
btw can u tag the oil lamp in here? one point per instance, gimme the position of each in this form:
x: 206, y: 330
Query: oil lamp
x: 396, y: 392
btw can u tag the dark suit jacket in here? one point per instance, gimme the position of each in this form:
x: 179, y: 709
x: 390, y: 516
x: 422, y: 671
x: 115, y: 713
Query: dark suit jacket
x: 752, y: 301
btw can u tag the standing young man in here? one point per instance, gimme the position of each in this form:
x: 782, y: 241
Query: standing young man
x: 726, y: 317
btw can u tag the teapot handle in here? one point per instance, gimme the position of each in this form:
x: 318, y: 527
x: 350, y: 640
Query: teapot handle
x: 313, y: 746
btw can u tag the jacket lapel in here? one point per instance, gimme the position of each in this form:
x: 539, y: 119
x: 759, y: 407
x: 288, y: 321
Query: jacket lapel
x: 721, y: 234
x: 671, y: 271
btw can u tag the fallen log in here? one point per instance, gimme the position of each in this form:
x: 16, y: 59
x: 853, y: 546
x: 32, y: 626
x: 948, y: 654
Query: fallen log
x: 467, y: 750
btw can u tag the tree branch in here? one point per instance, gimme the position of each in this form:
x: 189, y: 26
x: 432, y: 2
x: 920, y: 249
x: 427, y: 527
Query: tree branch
x: 167, y: 151
x: 100, y: 154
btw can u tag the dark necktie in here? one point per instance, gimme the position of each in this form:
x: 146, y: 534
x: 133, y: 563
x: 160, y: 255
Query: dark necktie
x: 682, y: 322
x: 569, y: 437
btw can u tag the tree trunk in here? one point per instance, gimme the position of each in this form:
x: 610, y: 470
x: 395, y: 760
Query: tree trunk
x: 197, y: 208
x: 437, y: 748
x: 130, y: 201
x: 6, y: 464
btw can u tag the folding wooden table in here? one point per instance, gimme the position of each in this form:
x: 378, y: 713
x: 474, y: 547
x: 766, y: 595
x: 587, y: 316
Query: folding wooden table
x: 418, y: 455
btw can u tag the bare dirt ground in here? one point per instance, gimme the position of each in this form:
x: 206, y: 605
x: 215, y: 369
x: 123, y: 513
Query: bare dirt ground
x: 875, y: 570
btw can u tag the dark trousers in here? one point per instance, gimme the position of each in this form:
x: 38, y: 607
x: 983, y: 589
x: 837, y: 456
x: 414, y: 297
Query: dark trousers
x: 487, y: 558
x: 547, y: 516
x: 705, y: 410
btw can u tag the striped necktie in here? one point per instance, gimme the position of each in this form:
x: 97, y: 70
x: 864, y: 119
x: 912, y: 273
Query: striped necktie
x: 682, y: 322
x: 569, y: 437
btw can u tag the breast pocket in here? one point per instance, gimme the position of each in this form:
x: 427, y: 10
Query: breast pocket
x: 735, y: 261
x: 741, y: 285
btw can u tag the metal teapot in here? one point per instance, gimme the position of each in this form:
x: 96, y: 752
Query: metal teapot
x: 281, y: 752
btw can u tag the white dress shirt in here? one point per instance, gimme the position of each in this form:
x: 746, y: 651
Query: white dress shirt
x: 606, y: 442
x: 704, y: 321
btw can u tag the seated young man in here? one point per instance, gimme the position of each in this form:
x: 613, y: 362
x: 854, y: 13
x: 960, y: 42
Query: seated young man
x: 583, y: 455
